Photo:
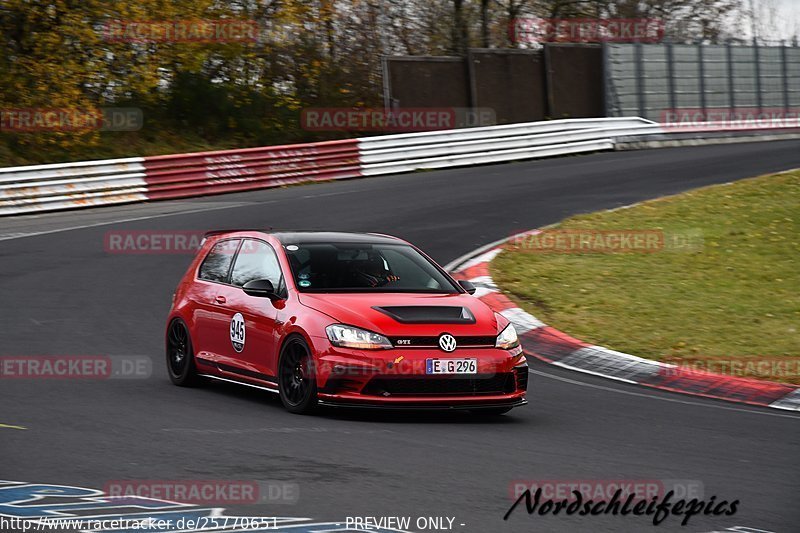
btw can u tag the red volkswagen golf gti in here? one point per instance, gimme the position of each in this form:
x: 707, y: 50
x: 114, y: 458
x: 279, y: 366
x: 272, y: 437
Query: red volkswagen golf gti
x: 344, y: 319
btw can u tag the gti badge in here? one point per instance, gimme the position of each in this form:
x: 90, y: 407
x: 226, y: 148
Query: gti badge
x: 447, y: 342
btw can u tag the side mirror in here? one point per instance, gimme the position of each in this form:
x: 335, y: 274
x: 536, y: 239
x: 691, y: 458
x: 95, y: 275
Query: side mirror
x: 467, y: 286
x: 261, y: 288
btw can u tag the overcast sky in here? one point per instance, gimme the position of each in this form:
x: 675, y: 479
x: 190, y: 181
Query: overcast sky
x: 787, y: 23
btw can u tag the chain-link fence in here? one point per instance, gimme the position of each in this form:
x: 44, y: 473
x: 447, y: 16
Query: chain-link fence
x: 660, y: 81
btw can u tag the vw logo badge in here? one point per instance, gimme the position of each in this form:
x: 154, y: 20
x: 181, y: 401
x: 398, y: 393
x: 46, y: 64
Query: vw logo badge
x: 447, y: 342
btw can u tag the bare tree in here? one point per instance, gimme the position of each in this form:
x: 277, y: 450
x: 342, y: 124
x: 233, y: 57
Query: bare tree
x: 460, y: 31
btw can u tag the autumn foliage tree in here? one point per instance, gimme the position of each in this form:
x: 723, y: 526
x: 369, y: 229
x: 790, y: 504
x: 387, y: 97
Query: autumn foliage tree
x: 307, y: 53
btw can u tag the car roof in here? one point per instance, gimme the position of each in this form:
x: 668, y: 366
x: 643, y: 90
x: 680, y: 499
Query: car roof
x: 306, y: 237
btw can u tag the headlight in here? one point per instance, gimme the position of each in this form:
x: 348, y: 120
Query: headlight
x: 507, y: 339
x: 361, y: 339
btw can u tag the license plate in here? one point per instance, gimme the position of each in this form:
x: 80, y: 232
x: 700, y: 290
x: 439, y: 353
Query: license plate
x: 451, y: 366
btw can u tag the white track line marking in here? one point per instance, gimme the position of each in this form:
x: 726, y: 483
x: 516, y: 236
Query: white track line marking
x: 8, y: 426
x: 13, y: 236
x: 661, y: 398
x: 131, y: 219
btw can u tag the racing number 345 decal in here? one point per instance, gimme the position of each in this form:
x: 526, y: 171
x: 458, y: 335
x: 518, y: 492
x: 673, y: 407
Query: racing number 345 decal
x: 237, y: 332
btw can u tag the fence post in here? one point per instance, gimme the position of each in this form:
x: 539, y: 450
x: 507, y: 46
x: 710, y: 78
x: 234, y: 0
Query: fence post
x: 673, y: 102
x: 702, y: 73
x: 640, y: 85
x: 387, y: 84
x: 613, y: 106
x: 549, y: 96
x: 472, y: 82
x: 731, y: 92
x: 785, y: 73
x: 606, y: 80
x: 759, y: 90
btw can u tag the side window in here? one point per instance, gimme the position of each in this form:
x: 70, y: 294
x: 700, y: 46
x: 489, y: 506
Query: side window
x: 256, y: 260
x: 217, y: 263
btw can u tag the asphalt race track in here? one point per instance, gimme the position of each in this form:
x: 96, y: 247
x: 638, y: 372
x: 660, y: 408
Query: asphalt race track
x: 63, y: 294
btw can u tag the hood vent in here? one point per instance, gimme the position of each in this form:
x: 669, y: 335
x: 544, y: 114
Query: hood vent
x: 428, y: 314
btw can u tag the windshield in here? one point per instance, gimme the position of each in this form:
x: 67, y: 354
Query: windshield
x: 358, y: 267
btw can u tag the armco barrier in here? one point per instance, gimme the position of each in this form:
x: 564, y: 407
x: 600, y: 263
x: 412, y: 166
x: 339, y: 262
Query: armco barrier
x: 181, y: 176
x: 87, y: 184
x: 70, y: 185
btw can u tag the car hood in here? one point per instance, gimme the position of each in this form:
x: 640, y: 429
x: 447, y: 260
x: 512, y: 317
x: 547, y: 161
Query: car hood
x: 407, y: 314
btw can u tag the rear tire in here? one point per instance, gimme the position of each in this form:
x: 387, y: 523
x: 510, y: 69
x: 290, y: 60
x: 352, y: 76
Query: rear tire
x: 297, y: 383
x: 180, y: 355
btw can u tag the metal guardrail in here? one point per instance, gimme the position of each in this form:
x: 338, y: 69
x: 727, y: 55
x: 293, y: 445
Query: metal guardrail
x: 69, y: 185
x: 421, y: 151
x: 187, y: 175
x: 45, y: 188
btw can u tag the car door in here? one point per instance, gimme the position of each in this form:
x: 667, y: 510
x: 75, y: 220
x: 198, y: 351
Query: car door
x: 252, y: 346
x: 209, y: 295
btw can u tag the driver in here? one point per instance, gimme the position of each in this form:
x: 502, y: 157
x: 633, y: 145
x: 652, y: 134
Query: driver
x: 374, y: 273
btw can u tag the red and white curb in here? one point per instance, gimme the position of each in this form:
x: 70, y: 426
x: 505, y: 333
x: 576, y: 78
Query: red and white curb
x: 555, y: 347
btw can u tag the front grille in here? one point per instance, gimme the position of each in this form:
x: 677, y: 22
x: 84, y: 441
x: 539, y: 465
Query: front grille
x: 441, y: 386
x: 433, y: 341
x: 522, y: 377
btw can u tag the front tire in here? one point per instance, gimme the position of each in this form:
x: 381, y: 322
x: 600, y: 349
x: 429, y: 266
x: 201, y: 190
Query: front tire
x: 180, y: 355
x: 297, y: 383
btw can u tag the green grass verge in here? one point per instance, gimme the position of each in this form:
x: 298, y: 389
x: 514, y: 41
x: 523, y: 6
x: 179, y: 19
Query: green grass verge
x: 733, y: 294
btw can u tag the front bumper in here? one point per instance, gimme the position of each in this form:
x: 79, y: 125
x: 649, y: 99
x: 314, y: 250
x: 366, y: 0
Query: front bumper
x: 425, y: 406
x: 397, y: 378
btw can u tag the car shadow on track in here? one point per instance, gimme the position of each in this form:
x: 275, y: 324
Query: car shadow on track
x: 418, y: 417
x: 394, y: 416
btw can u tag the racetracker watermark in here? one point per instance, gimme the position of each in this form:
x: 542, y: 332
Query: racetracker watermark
x: 410, y: 367
x: 537, y: 30
x: 172, y: 31
x: 149, y: 524
x: 395, y: 120
x: 154, y: 242
x: 80, y: 367
x: 48, y: 119
x: 786, y: 369
x: 206, y: 492
x: 657, y: 499
x: 641, y: 489
x: 597, y: 241
x: 727, y: 119
x: 160, y: 242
